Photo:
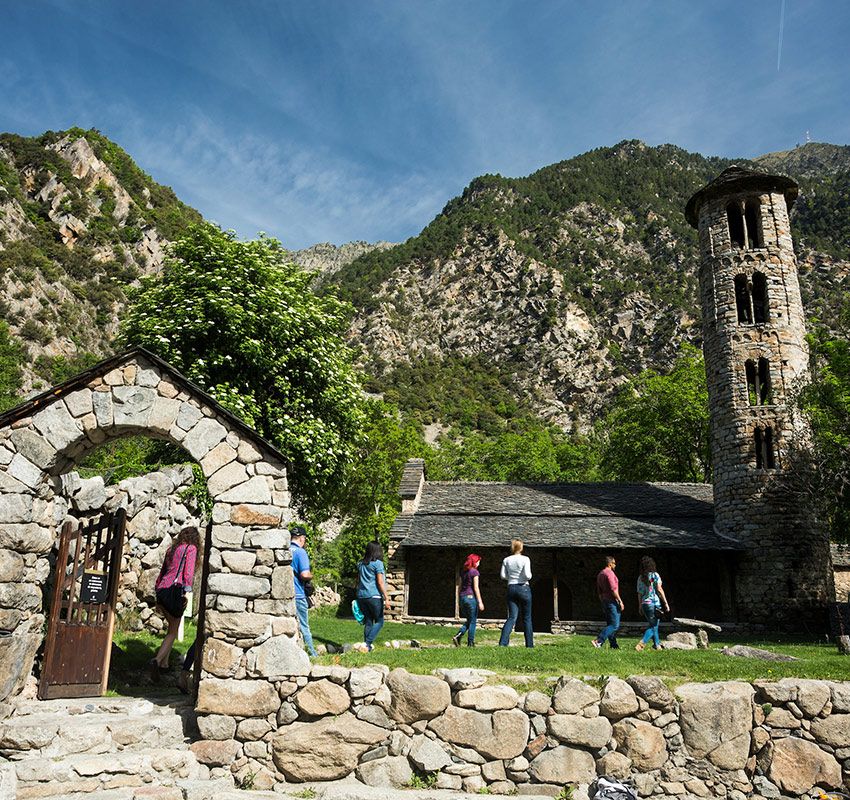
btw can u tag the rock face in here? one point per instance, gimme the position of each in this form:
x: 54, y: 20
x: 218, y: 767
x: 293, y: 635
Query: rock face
x: 618, y: 700
x: 797, y: 765
x: 325, y: 750
x: 577, y: 730
x: 572, y: 695
x: 716, y: 720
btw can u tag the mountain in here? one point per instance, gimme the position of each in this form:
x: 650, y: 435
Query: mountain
x: 535, y: 296
x: 562, y: 285
x: 79, y: 222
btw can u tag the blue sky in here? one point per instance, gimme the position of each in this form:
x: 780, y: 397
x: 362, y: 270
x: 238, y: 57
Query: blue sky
x: 340, y: 120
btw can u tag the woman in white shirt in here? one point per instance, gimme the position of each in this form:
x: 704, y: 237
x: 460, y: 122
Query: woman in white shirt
x: 516, y: 570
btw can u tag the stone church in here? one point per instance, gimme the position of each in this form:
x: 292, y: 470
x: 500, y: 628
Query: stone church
x: 745, y: 552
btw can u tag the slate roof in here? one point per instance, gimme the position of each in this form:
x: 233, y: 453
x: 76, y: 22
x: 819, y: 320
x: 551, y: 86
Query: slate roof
x: 591, y: 515
x: 737, y: 179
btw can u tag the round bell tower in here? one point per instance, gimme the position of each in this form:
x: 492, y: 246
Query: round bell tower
x: 755, y: 358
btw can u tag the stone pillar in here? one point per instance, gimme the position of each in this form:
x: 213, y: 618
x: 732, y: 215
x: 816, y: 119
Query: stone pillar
x: 783, y: 578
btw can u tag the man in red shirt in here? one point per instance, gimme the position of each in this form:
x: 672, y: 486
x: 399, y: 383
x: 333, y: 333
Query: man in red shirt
x: 608, y: 589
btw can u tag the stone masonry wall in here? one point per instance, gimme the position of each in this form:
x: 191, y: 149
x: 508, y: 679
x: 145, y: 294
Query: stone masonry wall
x: 156, y: 513
x: 783, y: 579
x: 731, y: 739
x: 249, y: 582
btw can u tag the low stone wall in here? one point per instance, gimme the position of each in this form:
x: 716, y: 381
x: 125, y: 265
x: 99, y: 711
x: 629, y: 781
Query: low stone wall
x: 706, y: 740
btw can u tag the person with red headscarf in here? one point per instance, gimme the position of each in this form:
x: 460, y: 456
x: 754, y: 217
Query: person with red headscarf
x: 470, y: 600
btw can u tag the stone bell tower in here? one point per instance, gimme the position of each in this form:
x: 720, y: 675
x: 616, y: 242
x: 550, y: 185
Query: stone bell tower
x: 755, y: 357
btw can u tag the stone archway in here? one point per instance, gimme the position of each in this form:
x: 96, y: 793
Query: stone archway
x: 249, y: 582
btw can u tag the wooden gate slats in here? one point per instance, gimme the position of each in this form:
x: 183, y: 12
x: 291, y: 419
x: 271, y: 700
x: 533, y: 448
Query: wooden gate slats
x: 79, y: 637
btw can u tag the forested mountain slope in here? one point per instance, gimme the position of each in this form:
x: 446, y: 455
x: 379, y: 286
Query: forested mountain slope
x: 524, y: 297
x: 79, y: 222
x: 562, y: 285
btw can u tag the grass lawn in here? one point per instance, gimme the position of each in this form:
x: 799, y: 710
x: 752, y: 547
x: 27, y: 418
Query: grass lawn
x: 552, y: 655
x: 556, y: 655
x: 131, y: 652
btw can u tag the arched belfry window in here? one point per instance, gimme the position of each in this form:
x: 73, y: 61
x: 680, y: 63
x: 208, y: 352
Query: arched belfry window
x: 751, y: 298
x: 736, y: 225
x: 765, y: 456
x: 743, y: 301
x: 759, y: 295
x: 751, y: 221
x: 758, y: 382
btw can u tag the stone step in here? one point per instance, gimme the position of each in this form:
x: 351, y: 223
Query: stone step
x: 48, y: 730
x: 133, y: 706
x: 86, y: 773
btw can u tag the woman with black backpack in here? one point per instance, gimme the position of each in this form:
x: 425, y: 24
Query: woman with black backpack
x: 172, y: 585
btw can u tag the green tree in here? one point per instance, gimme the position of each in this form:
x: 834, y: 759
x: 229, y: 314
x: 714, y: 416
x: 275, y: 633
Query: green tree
x: 826, y: 402
x: 658, y: 426
x: 244, y: 324
x: 11, y: 377
x: 369, y: 499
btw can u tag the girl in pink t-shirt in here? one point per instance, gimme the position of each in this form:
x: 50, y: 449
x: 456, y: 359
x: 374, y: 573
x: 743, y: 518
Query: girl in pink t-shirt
x: 178, y: 570
x: 470, y: 600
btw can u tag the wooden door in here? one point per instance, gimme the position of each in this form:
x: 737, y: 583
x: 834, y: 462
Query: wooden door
x: 82, y: 615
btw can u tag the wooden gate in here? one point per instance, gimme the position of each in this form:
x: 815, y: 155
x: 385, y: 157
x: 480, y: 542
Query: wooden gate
x: 82, y: 615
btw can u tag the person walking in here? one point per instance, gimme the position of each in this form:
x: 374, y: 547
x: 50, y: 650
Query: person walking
x: 302, y: 575
x: 470, y: 600
x: 608, y: 589
x: 516, y: 570
x: 172, y: 585
x: 372, y: 592
x: 651, y: 597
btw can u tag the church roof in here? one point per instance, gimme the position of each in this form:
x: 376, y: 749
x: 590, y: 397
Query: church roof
x: 588, y: 515
x: 736, y: 179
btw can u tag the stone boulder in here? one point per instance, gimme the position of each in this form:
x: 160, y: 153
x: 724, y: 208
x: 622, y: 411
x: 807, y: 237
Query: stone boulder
x: 641, y: 742
x: 427, y: 755
x: 277, y: 658
x: 797, y: 765
x: 572, y: 695
x: 833, y: 730
x: 653, y: 690
x: 488, y: 698
x: 326, y: 750
x: 594, y: 732
x: 502, y: 735
x: 364, y: 681
x: 465, y: 677
x: 716, y: 719
x: 237, y: 698
x: 417, y: 697
x: 562, y: 765
x: 216, y: 753
x: 810, y: 695
x: 614, y: 765
x: 320, y: 698
x: 390, y: 773
x: 618, y: 700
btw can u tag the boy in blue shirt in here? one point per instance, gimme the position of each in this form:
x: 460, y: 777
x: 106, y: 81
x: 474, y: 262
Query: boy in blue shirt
x: 301, y: 574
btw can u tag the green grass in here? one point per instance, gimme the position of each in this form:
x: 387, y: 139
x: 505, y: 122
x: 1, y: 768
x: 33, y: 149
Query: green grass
x: 128, y: 666
x: 556, y: 655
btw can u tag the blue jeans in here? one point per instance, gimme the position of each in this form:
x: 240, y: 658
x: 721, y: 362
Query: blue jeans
x: 304, y: 624
x: 612, y: 618
x: 650, y: 613
x: 469, y: 609
x: 519, y: 598
x: 373, y: 614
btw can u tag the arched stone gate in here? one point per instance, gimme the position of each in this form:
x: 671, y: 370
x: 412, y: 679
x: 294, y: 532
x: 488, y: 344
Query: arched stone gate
x: 249, y: 592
